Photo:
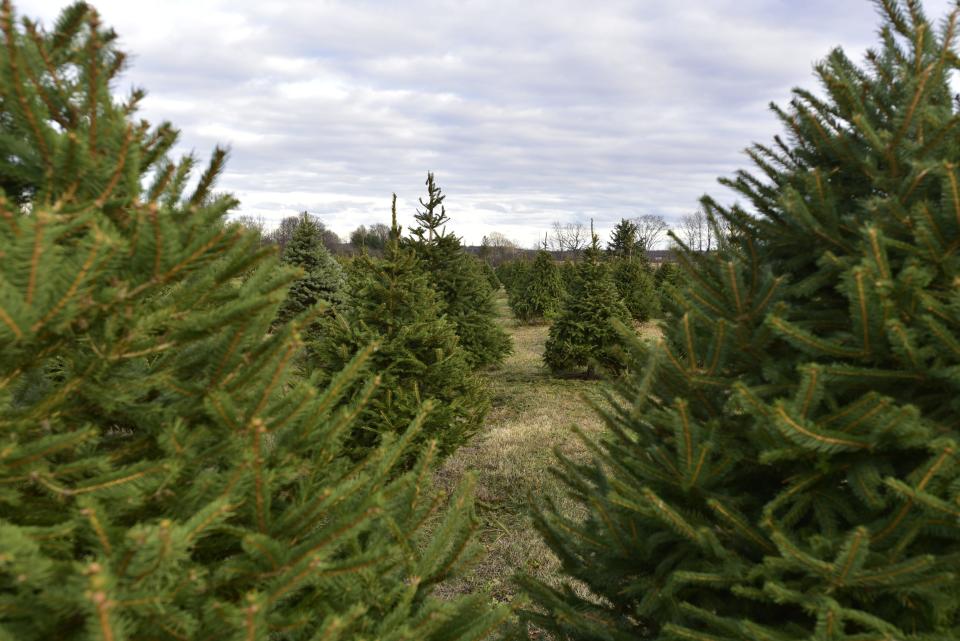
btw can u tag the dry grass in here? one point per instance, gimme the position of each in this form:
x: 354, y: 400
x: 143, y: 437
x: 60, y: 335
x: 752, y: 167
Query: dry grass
x: 532, y: 415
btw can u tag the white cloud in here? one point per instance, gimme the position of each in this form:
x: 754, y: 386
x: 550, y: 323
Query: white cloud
x: 527, y: 112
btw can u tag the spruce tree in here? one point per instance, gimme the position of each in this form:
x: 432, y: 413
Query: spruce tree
x: 583, y: 334
x: 537, y: 292
x: 390, y: 303
x: 323, y: 278
x: 635, y: 285
x: 623, y: 240
x: 163, y: 473
x: 464, y: 290
x: 568, y: 274
x: 784, y: 465
x: 491, y: 275
x: 514, y: 276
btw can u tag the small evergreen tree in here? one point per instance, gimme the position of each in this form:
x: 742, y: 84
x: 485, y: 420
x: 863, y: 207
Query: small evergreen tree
x: 539, y: 291
x: 784, y: 466
x: 510, y: 273
x: 464, y: 291
x: 623, y: 240
x: 568, y: 274
x: 491, y: 275
x: 635, y: 285
x: 164, y: 474
x: 583, y: 335
x: 515, y: 275
x: 323, y: 278
x: 390, y: 303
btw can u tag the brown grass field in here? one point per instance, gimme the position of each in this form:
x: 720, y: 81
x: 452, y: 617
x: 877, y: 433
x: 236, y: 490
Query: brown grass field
x: 531, y: 416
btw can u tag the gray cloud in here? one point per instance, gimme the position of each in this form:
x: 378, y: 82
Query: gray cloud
x: 527, y: 112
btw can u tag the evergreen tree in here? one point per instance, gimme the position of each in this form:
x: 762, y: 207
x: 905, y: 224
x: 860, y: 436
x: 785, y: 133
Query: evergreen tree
x: 539, y: 291
x: 515, y: 275
x: 583, y: 335
x: 510, y: 273
x: 623, y: 240
x: 635, y: 285
x: 491, y: 275
x: 323, y: 278
x: 390, y: 303
x: 784, y: 466
x: 163, y: 474
x: 464, y: 290
x: 568, y: 274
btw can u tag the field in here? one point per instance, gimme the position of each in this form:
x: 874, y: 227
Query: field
x: 531, y: 416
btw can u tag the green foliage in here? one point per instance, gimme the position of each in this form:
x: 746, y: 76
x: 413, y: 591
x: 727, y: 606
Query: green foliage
x: 669, y: 283
x: 537, y: 291
x: 164, y: 474
x: 568, y: 274
x: 323, y: 279
x: 784, y: 466
x: 373, y: 238
x: 512, y: 273
x: 623, y: 240
x: 583, y: 334
x: 490, y: 274
x: 390, y: 303
x: 465, y: 292
x: 635, y: 284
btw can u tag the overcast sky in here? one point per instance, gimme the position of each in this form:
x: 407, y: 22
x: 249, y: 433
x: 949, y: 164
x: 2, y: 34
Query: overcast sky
x: 527, y: 111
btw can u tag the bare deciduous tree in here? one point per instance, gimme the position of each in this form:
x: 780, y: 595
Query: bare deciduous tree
x: 284, y: 232
x: 576, y: 238
x: 558, y: 240
x: 695, y: 231
x: 567, y: 238
x: 256, y: 224
x: 650, y: 229
x: 496, y: 247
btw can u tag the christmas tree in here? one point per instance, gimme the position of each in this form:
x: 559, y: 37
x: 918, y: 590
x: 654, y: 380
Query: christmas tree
x: 635, y: 284
x: 568, y: 274
x: 623, y: 240
x: 390, y: 303
x: 491, y: 275
x: 323, y: 278
x: 537, y: 290
x: 784, y: 465
x: 514, y: 276
x: 464, y: 290
x: 163, y: 473
x: 583, y: 335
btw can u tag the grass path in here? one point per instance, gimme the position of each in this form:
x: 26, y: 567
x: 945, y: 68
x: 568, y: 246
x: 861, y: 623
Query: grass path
x: 531, y: 414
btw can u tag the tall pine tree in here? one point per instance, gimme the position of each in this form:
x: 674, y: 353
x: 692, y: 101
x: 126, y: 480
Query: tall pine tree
x: 635, y: 284
x: 163, y: 473
x: 463, y: 287
x: 623, y: 240
x: 390, y: 303
x: 583, y: 334
x: 537, y: 290
x: 784, y: 465
x: 323, y: 278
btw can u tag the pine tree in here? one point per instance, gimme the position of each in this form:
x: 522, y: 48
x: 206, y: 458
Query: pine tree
x: 539, y: 291
x: 784, y: 465
x: 390, y: 303
x: 635, y: 285
x: 491, y: 275
x: 464, y: 290
x: 514, y: 275
x: 163, y: 474
x: 568, y: 274
x: 323, y: 278
x: 583, y: 335
x: 623, y: 240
